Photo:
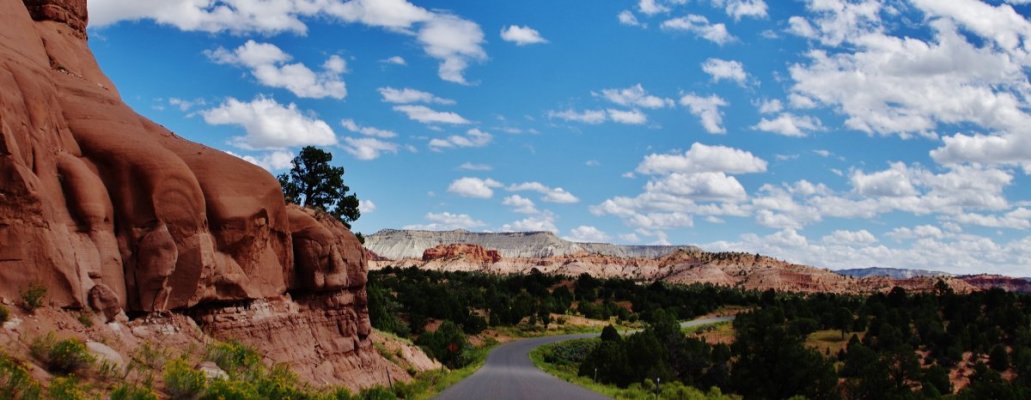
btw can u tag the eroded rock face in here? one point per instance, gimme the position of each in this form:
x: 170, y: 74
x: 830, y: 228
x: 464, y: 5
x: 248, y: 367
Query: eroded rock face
x: 468, y: 252
x: 109, y: 210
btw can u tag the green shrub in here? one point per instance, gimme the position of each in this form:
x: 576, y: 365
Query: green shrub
x: 63, y: 357
x: 86, y: 319
x: 15, y: 381
x: 281, y: 383
x: 223, y: 389
x: 33, y: 297
x: 376, y: 393
x: 234, y: 357
x: 182, y: 381
x: 5, y: 314
x: 127, y: 391
x: 66, y: 389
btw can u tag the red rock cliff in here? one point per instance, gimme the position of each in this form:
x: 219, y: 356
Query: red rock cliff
x: 108, y: 209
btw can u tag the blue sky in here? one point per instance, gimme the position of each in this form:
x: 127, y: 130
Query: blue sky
x: 830, y: 132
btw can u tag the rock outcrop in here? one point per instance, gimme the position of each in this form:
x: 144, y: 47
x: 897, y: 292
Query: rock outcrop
x: 464, y: 251
x: 108, y: 210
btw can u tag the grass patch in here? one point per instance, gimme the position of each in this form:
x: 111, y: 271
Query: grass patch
x: 67, y: 356
x: 555, y: 359
x: 829, y: 342
x: 33, y: 297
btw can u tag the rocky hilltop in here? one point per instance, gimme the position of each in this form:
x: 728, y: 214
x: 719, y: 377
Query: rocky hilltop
x: 108, y: 210
x: 399, y: 244
x: 443, y: 251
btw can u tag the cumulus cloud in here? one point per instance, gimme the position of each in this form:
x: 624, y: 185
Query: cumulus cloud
x: 271, y: 67
x: 725, y: 69
x: 270, y: 125
x: 707, y: 109
x: 446, y: 221
x: 474, y: 187
x: 368, y: 148
x: 428, y: 115
x: 789, y: 124
x: 548, y: 194
x: 629, y: 117
x: 627, y: 17
x: 634, y: 96
x: 468, y: 166
x: 703, y: 158
x: 366, y: 206
x: 742, y: 8
x: 770, y: 106
x: 472, y: 138
x: 520, y: 204
x: 352, y: 126
x: 272, y: 161
x: 454, y: 41
x: 586, y: 116
x: 700, y: 26
x: 521, y: 35
x: 395, y: 60
x: 542, y: 222
x: 587, y: 234
x: 409, y: 95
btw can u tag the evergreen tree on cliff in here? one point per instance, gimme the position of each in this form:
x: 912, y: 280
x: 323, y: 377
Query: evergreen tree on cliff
x: 312, y: 182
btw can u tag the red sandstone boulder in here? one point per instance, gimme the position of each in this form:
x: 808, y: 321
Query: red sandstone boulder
x: 465, y: 251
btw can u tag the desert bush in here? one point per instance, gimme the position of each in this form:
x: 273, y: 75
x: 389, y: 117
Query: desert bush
x: 5, y: 314
x: 85, y: 318
x: 63, y: 357
x: 182, y: 381
x: 15, y: 381
x: 66, y: 388
x: 127, y: 391
x: 234, y: 357
x: 225, y: 389
x: 33, y: 297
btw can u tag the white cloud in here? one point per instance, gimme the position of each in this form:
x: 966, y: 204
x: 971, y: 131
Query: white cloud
x: 368, y: 148
x: 548, y: 194
x: 186, y: 105
x: 270, y: 66
x: 789, y: 124
x: 634, y: 96
x: 708, y: 109
x: 743, y: 8
x: 454, y: 41
x: 629, y: 117
x: 468, y: 166
x: 428, y: 115
x: 770, y: 106
x: 703, y: 158
x: 920, y: 231
x: 409, y: 95
x: 627, y: 17
x: 474, y: 187
x: 586, y: 116
x: 447, y: 221
x: 651, y: 7
x: 366, y: 206
x: 472, y: 138
x: 521, y: 35
x: 272, y: 161
x: 544, y: 222
x: 587, y: 234
x: 520, y: 204
x: 270, y: 125
x: 396, y: 60
x: 725, y: 69
x: 700, y: 26
x: 847, y: 237
x: 350, y: 125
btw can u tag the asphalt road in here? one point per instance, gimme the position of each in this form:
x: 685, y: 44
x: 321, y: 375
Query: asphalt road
x: 508, y: 373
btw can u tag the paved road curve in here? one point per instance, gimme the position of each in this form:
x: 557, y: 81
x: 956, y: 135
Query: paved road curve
x: 509, y: 374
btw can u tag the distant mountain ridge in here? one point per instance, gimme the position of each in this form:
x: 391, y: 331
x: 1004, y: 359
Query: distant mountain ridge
x: 398, y: 244
x: 894, y: 273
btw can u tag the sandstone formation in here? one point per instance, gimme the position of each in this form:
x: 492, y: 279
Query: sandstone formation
x: 683, y: 266
x: 399, y: 244
x: 469, y: 252
x: 108, y: 210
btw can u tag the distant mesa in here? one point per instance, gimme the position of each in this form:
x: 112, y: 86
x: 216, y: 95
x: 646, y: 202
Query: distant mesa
x: 524, y: 252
